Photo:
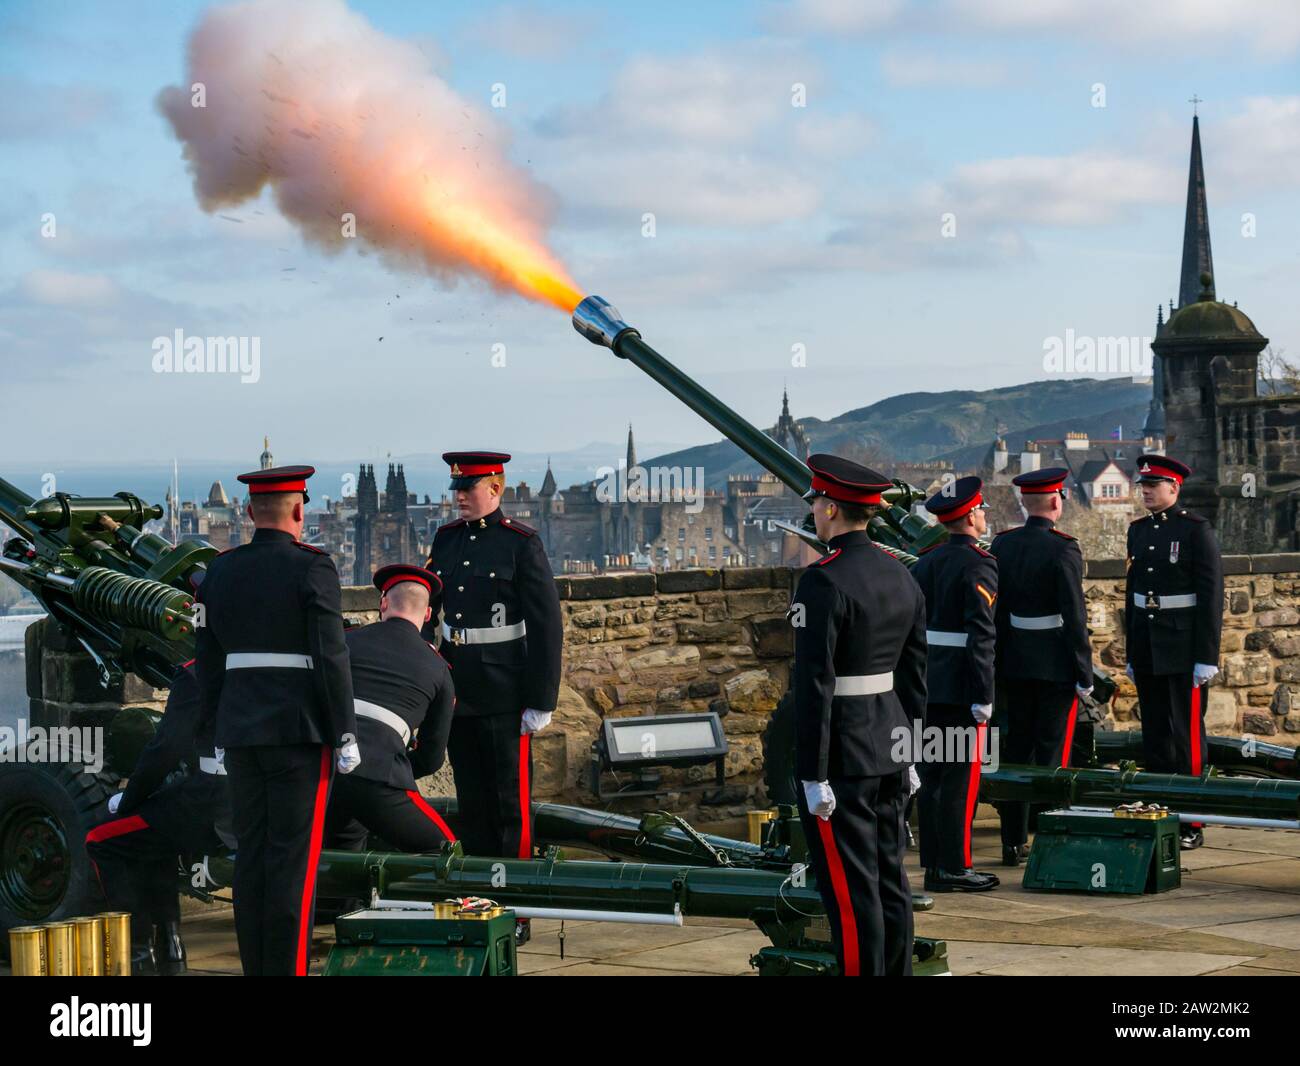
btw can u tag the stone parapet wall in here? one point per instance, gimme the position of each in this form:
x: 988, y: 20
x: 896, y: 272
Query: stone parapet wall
x: 697, y: 640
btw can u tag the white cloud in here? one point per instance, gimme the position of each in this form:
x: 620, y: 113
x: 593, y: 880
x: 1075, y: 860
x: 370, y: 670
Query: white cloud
x: 1260, y: 145
x: 57, y: 288
x: 835, y: 16
x: 1271, y: 28
x: 913, y: 69
x: 1076, y: 190
x: 834, y: 136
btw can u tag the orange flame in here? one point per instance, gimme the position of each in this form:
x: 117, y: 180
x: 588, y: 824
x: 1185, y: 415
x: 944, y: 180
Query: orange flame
x: 347, y: 123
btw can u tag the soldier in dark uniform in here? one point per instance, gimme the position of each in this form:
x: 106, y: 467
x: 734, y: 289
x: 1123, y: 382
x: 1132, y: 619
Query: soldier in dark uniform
x: 501, y: 635
x: 1173, y: 622
x: 859, y: 681
x: 960, y: 582
x: 1044, y: 662
x: 273, y: 674
x: 404, y: 704
x: 156, y: 821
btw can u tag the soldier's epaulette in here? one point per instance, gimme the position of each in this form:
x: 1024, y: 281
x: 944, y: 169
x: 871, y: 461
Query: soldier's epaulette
x: 1059, y: 533
x: 826, y: 558
x: 1143, y: 518
x: 449, y: 525
x: 1192, y: 516
x: 310, y: 547
x: 435, y: 651
x: 519, y: 527
x: 931, y: 548
x: 976, y: 547
x: 1009, y: 529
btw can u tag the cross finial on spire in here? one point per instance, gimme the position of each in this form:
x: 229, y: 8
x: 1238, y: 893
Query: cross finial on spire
x: 1194, y: 100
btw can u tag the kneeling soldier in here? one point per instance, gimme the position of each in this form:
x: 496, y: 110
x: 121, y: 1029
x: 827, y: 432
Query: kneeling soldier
x: 155, y: 821
x: 402, y: 687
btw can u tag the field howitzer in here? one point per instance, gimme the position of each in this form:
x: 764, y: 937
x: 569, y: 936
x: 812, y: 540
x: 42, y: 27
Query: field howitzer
x: 126, y: 596
x: 894, y: 527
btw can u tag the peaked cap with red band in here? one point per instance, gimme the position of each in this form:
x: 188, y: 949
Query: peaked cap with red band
x: 468, y: 467
x: 844, y: 480
x: 1161, y: 468
x: 278, y: 479
x: 1050, y: 479
x: 394, y: 574
x: 957, y: 499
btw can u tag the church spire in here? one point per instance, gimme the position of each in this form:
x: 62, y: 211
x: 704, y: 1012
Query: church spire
x: 631, y: 448
x: 1197, y: 259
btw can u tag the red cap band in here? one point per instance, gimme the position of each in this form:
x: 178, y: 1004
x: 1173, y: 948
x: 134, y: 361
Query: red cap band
x: 845, y: 493
x: 296, y: 485
x: 961, y: 510
x: 476, y: 469
x: 1047, y: 486
x: 397, y: 579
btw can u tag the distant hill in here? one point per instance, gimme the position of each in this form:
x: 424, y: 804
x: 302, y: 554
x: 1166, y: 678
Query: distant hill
x: 959, y: 425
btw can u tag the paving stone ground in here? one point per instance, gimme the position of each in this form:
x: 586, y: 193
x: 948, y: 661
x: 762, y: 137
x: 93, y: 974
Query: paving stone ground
x: 1236, y: 914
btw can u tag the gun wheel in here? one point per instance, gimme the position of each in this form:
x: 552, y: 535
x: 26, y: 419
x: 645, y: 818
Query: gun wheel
x: 45, y: 813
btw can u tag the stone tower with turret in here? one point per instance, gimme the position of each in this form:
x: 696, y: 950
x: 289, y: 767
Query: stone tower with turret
x: 1243, y: 448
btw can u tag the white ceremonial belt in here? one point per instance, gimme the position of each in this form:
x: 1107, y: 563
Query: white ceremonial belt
x: 486, y: 635
x: 249, y: 660
x: 395, y: 722
x: 1165, y: 603
x: 947, y: 640
x: 1040, y: 621
x: 864, y: 684
x: 209, y: 765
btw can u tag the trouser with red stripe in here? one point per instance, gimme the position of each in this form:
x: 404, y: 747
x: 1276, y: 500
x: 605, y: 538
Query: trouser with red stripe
x: 135, y: 854
x: 1172, y: 709
x: 402, y: 819
x: 949, y: 788
x: 279, y: 795
x: 493, y: 767
x: 1041, y: 718
x: 857, y: 855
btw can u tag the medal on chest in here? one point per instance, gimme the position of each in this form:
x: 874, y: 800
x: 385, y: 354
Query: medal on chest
x: 1173, y: 551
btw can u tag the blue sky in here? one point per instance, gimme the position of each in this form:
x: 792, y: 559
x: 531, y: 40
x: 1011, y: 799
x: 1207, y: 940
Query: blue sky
x: 776, y: 226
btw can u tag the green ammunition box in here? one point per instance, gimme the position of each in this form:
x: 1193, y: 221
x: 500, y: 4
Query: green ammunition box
x: 1104, y: 852
x: 442, y: 942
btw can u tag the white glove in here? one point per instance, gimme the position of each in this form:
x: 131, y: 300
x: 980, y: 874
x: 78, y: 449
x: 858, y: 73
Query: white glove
x: 349, y: 757
x: 534, y: 721
x: 913, y: 781
x: 1128, y: 669
x: 114, y: 801
x: 821, y: 800
x: 1203, y: 672
x: 982, y: 712
x: 1081, y: 691
x: 220, y: 755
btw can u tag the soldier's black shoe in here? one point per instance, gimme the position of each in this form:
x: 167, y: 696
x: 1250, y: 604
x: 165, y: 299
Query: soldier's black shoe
x: 1014, y: 855
x: 1190, y: 838
x: 169, y: 949
x: 523, y: 931
x: 967, y: 880
x: 143, y: 963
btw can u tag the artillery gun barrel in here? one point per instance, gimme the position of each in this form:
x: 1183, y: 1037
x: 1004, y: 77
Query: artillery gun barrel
x: 600, y: 322
x: 571, y: 885
x: 1228, y: 800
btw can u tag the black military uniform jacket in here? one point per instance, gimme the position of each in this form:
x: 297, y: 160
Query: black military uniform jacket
x: 182, y: 742
x: 396, y: 670
x: 858, y: 617
x: 960, y: 582
x: 1173, y: 553
x: 274, y: 597
x: 495, y: 576
x: 1041, y: 616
